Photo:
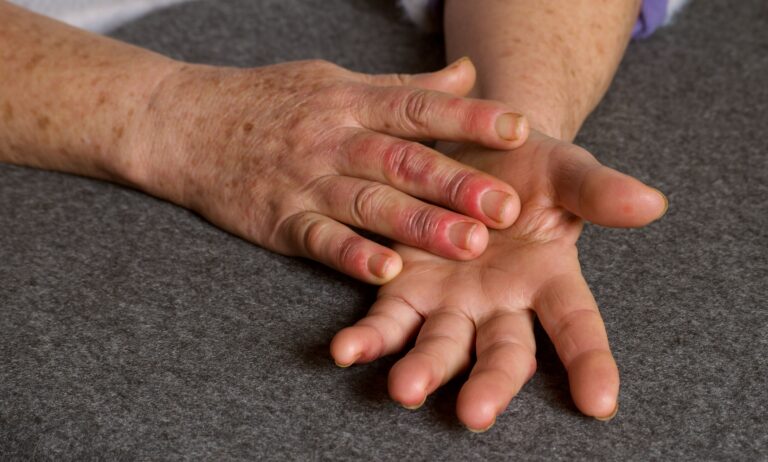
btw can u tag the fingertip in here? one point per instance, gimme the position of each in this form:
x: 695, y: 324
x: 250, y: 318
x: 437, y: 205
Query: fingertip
x: 500, y: 208
x: 457, y: 78
x: 476, y: 408
x: 483, y: 429
x: 462, y: 76
x: 344, y: 349
x: 467, y: 240
x: 611, y: 416
x: 512, y: 128
x: 478, y: 241
x: 407, y: 383
x: 383, y: 267
x: 665, y: 200
x: 594, y: 380
x: 611, y: 198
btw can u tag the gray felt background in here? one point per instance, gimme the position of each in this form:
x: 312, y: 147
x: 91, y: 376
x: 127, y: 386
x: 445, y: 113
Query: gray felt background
x: 132, y: 329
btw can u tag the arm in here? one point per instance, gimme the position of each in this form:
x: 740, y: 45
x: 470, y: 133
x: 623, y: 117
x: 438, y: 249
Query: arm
x: 551, y: 59
x: 285, y: 156
x: 69, y: 98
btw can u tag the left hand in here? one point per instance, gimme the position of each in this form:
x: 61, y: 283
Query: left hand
x: 489, y: 304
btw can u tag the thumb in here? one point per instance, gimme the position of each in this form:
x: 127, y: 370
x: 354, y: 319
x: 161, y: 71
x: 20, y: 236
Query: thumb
x: 457, y: 79
x: 601, y: 194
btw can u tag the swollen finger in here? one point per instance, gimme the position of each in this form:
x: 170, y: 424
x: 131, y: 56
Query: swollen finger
x: 603, y: 195
x: 388, y: 212
x: 415, y: 113
x: 506, y: 360
x: 329, y: 242
x: 389, y: 325
x: 442, y: 350
x: 425, y: 173
x: 569, y: 314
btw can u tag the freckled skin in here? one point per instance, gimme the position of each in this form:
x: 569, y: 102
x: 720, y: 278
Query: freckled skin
x: 261, y: 152
x: 33, y: 62
x: 7, y: 112
x: 552, y: 64
x: 43, y: 122
x: 58, y: 115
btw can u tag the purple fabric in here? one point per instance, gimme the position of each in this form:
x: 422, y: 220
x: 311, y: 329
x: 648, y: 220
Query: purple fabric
x: 653, y: 13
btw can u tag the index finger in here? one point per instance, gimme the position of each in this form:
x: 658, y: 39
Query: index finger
x: 415, y: 113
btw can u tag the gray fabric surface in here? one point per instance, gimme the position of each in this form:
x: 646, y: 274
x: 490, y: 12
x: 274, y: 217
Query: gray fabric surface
x: 132, y: 329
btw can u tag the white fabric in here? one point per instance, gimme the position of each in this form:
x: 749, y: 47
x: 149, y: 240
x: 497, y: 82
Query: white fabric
x: 417, y: 11
x: 103, y: 15
x: 95, y: 15
x: 673, y: 7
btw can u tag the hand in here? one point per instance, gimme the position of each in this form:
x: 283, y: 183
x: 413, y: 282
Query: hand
x: 489, y: 304
x: 286, y: 155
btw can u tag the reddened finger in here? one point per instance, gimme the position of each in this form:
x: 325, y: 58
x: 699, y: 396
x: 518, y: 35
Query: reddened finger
x: 458, y: 78
x: 385, y: 211
x: 603, y: 195
x: 569, y: 314
x: 424, y: 114
x: 425, y: 173
x: 389, y: 325
x: 325, y: 240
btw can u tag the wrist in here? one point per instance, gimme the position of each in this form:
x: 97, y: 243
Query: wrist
x: 136, y: 162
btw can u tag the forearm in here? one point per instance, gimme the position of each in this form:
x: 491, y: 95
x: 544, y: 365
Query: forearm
x: 69, y: 99
x: 552, y: 60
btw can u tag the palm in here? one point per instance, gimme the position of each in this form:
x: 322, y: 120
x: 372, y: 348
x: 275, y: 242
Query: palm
x: 488, y: 304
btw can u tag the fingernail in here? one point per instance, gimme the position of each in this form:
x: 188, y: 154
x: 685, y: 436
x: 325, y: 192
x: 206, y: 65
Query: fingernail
x: 413, y: 408
x: 458, y: 62
x: 461, y: 234
x: 613, y: 414
x: 496, y: 205
x: 379, y: 264
x: 482, y: 430
x: 510, y: 126
x: 344, y: 366
x: 666, y: 202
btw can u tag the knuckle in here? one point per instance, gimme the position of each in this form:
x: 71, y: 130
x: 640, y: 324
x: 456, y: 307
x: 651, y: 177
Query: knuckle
x: 295, y: 234
x: 421, y: 224
x: 474, y: 119
x: 416, y: 109
x: 312, y: 235
x: 350, y: 253
x: 321, y: 65
x: 367, y: 203
x: 457, y: 186
x: 406, y: 161
x: 344, y: 95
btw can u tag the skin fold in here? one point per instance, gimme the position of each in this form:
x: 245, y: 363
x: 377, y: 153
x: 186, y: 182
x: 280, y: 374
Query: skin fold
x: 552, y: 60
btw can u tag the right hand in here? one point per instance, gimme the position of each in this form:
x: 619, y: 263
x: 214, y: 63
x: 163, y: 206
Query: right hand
x: 288, y: 155
x: 530, y: 271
